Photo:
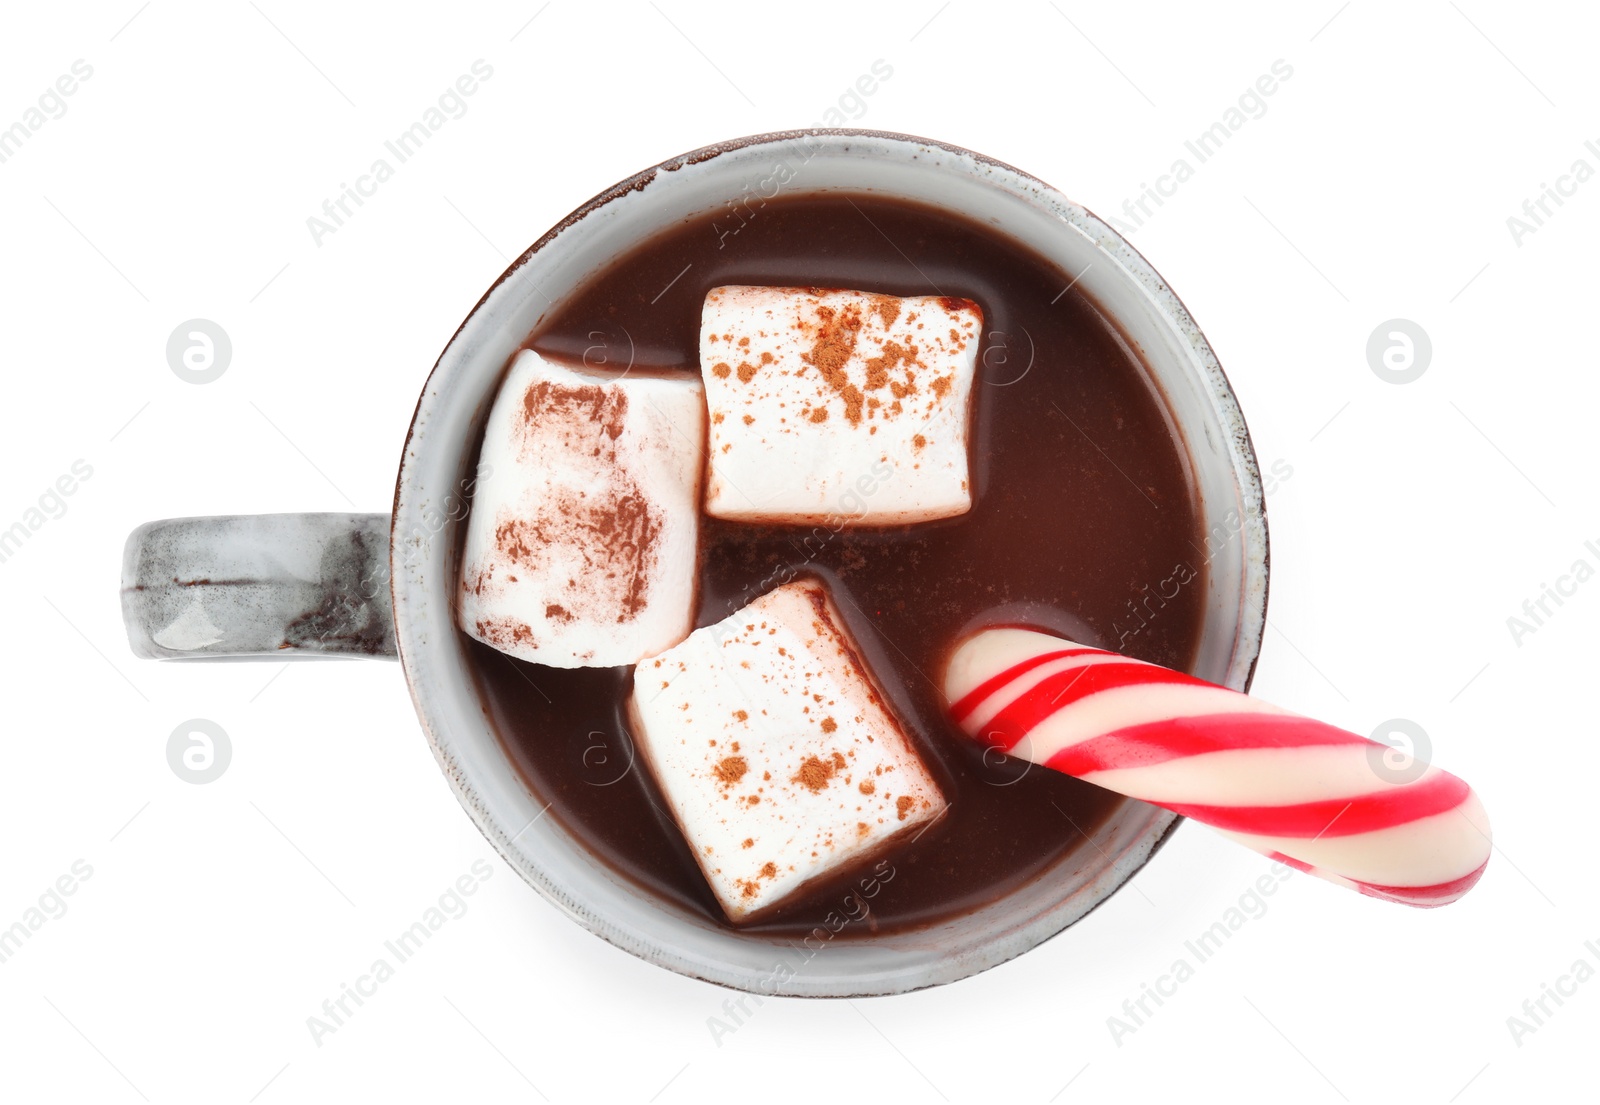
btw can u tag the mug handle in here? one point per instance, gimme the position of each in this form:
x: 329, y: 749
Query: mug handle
x: 259, y: 587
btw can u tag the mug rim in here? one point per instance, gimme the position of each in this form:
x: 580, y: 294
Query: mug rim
x: 1218, y: 390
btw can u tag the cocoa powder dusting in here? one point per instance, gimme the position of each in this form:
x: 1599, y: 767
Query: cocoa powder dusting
x: 836, y: 342
x: 547, y: 405
x: 630, y: 529
x: 731, y: 770
x: 903, y: 805
x: 505, y: 632
x: 511, y: 538
x: 612, y: 533
x: 893, y: 355
x: 814, y: 774
x: 615, y: 532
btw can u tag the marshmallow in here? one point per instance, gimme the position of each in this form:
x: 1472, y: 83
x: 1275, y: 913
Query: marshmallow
x: 837, y: 406
x: 581, y: 543
x: 776, y: 753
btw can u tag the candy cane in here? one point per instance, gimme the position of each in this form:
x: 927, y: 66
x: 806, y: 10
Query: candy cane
x: 1318, y: 798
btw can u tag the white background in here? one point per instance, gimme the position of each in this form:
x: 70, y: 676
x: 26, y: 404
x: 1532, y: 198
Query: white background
x: 1417, y: 520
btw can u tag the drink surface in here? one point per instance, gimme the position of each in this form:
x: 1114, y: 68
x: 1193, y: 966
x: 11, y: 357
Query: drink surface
x: 1084, y: 513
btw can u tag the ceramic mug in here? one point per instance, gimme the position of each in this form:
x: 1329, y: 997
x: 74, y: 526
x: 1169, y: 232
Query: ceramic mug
x: 381, y: 585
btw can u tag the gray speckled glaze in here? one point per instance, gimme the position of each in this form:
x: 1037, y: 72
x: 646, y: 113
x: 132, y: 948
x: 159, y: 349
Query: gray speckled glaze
x: 259, y: 586
x: 437, y: 464
x: 297, y: 572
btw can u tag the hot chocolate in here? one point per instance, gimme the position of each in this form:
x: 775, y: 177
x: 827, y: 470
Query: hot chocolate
x: 1082, y: 503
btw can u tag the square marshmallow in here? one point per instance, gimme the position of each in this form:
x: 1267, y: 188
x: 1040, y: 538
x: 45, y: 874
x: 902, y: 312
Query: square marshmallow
x: 581, y: 544
x: 775, y: 750
x: 837, y: 406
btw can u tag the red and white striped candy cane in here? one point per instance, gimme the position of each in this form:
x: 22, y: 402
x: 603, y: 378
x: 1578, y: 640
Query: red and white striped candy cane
x: 1321, y: 799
